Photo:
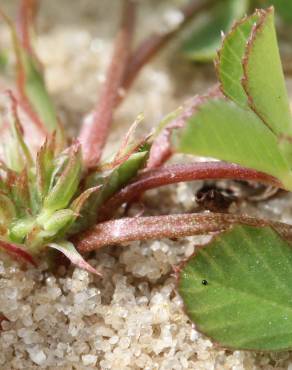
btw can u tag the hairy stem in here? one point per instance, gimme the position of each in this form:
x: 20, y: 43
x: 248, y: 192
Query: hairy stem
x: 172, y: 174
x: 95, y: 131
x: 154, y: 43
x: 171, y: 226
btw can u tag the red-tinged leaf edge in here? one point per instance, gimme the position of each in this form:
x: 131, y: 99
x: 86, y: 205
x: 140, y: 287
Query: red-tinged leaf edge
x: 128, y: 147
x: 79, y: 202
x: 121, y: 160
x: 129, y: 137
x: 253, y: 34
x: 44, y: 157
x: 161, y: 149
x: 217, y: 60
x: 18, y: 252
x: 263, y: 14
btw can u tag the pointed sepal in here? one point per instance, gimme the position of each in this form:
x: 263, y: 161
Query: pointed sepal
x: 73, y: 255
x: 63, y: 191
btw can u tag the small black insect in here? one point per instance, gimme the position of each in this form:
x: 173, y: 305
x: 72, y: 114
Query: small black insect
x: 214, y: 199
x: 204, y: 282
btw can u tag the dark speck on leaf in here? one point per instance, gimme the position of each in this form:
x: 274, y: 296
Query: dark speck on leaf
x: 204, y: 282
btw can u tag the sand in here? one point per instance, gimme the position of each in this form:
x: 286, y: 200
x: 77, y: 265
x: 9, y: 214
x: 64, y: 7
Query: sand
x: 132, y: 318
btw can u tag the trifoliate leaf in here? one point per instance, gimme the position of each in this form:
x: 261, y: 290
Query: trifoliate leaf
x: 238, y: 289
x: 205, y: 40
x: 263, y: 76
x: 71, y: 253
x: 221, y: 129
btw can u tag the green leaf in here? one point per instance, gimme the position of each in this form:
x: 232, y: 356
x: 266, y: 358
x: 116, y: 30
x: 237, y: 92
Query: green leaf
x: 263, y: 77
x: 71, y: 253
x: 37, y: 94
x: 4, y: 60
x: 7, y: 210
x: 16, y: 151
x: 129, y: 143
x: 31, y: 85
x: 229, y: 60
x: 45, y: 167
x: 238, y: 289
x: 205, y: 40
x: 111, y: 183
x: 19, y: 229
x: 20, y: 193
x: 221, y: 129
x: 78, y: 203
x: 120, y: 176
x: 13, y: 157
x: 66, y: 186
x: 59, y: 164
x: 58, y: 221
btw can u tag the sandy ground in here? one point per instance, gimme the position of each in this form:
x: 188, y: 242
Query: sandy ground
x: 132, y: 318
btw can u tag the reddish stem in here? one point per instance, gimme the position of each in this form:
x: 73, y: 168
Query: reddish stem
x: 127, y: 230
x: 172, y: 174
x: 26, y: 18
x: 21, y: 78
x: 154, y: 43
x: 95, y: 131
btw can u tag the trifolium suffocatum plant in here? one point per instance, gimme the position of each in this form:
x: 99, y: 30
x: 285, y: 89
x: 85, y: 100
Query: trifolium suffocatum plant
x: 58, y: 193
